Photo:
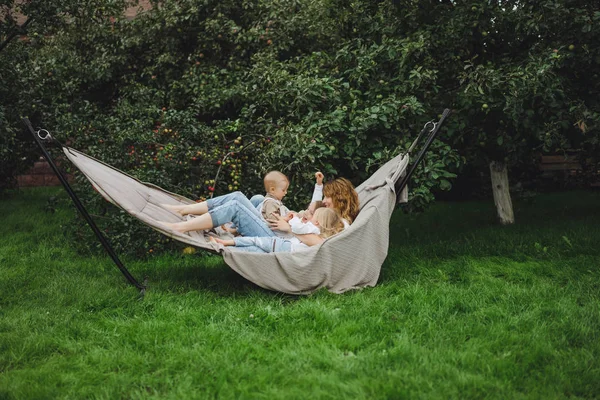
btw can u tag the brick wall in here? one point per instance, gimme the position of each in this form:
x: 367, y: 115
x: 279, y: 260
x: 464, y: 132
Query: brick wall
x: 130, y: 13
x: 40, y: 174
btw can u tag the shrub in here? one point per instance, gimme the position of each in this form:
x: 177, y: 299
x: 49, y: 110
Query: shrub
x: 203, y: 97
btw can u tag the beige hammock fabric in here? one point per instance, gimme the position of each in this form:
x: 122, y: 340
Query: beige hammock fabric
x: 351, y: 259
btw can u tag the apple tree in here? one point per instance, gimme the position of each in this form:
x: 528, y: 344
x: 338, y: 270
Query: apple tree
x: 521, y: 76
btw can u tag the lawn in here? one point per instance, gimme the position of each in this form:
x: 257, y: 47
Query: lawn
x: 464, y: 309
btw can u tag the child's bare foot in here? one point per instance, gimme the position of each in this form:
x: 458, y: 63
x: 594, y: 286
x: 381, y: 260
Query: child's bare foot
x: 221, y: 241
x: 174, y: 227
x: 213, y: 239
x: 177, y: 209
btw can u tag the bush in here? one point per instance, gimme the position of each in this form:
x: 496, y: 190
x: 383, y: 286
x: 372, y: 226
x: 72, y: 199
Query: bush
x: 17, y: 151
x: 204, y: 97
x: 8, y: 159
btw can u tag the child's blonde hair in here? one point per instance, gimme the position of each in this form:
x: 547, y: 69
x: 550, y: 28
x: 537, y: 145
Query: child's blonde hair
x: 329, y: 221
x: 274, y: 179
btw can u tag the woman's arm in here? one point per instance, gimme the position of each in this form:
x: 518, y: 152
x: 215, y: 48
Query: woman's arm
x: 317, y: 192
x: 281, y: 224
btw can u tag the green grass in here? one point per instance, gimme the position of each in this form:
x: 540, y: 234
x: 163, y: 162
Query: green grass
x: 464, y: 309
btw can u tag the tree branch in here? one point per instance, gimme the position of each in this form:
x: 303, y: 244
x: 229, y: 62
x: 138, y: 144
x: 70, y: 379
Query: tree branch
x: 16, y: 32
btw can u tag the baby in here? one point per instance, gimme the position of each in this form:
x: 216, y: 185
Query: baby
x: 276, y: 186
x: 271, y: 206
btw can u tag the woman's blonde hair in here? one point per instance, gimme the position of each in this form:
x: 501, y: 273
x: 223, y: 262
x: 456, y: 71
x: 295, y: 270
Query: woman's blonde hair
x: 329, y: 221
x: 343, y: 196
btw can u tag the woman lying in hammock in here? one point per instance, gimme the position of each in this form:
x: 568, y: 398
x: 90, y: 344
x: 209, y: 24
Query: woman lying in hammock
x: 339, y: 195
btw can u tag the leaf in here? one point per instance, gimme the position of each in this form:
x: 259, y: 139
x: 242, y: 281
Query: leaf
x: 445, y: 184
x: 500, y: 140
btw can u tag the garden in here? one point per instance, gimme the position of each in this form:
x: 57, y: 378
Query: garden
x: 490, y: 285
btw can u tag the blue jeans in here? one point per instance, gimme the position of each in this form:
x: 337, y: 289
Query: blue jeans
x: 235, y: 207
x: 262, y: 244
x: 257, y: 199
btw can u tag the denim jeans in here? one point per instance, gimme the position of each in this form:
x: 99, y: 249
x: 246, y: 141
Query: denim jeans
x: 235, y: 207
x: 256, y: 200
x: 262, y: 244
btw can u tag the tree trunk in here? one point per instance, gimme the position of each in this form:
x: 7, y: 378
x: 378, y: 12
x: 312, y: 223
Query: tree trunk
x: 499, y: 173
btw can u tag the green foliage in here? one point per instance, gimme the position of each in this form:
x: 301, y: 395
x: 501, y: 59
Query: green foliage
x: 14, y: 154
x: 27, y: 86
x: 527, y: 73
x: 204, y: 97
x: 8, y: 165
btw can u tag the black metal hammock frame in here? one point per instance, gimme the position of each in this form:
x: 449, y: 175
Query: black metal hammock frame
x: 431, y: 127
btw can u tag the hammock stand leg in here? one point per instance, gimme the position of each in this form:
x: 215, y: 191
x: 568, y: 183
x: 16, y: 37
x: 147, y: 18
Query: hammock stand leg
x: 404, y: 181
x: 84, y: 213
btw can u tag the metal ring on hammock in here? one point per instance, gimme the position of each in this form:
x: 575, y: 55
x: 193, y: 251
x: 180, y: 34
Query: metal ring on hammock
x: 432, y: 123
x: 47, y: 137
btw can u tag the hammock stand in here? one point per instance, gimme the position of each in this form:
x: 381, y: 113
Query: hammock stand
x: 399, y: 188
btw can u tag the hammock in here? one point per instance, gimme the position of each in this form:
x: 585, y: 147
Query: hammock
x: 351, y: 259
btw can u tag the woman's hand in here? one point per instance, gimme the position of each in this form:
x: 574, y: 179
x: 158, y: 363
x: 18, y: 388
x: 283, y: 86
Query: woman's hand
x: 281, y: 224
x: 290, y: 215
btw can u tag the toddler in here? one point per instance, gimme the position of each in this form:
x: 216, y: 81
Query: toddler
x: 270, y: 205
x: 276, y: 186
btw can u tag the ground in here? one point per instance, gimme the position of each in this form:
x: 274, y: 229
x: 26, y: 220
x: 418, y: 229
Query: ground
x: 464, y: 308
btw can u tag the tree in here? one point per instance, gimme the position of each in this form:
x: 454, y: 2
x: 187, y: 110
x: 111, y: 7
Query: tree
x: 518, y: 74
x: 25, y: 29
x: 334, y: 84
